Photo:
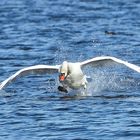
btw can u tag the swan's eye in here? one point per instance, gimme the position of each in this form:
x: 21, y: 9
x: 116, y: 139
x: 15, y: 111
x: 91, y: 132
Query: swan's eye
x: 62, y: 77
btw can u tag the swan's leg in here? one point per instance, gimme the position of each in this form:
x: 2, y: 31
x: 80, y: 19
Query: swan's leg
x: 62, y: 89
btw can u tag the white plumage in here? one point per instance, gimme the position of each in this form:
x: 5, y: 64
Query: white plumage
x: 71, y: 74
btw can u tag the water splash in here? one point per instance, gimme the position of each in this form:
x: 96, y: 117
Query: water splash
x: 103, y: 81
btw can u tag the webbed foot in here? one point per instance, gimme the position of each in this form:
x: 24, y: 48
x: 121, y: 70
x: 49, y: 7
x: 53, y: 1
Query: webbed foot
x: 62, y: 89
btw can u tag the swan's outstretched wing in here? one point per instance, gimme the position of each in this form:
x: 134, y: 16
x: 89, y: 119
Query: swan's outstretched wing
x: 106, y: 59
x: 30, y: 70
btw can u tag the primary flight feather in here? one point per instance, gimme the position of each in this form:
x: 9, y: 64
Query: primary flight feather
x: 70, y: 74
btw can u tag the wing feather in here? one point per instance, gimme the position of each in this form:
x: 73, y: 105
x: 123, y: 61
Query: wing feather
x: 30, y: 70
x: 106, y: 59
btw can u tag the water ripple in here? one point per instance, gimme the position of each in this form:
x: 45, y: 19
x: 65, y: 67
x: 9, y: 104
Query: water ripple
x: 49, y: 32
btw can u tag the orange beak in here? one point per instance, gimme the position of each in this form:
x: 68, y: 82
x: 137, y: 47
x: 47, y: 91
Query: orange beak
x: 61, y: 77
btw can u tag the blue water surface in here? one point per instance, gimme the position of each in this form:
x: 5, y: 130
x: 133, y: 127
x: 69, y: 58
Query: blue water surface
x: 50, y: 31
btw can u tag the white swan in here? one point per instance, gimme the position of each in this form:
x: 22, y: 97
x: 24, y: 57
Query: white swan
x: 71, y: 74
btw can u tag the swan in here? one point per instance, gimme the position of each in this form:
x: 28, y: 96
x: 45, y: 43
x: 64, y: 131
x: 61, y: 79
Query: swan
x: 70, y: 74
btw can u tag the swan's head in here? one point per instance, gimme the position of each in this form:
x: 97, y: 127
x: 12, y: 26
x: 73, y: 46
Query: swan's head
x: 63, y: 71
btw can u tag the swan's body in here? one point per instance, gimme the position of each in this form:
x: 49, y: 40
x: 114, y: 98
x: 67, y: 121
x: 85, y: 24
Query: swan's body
x: 71, y: 74
x: 75, y: 77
